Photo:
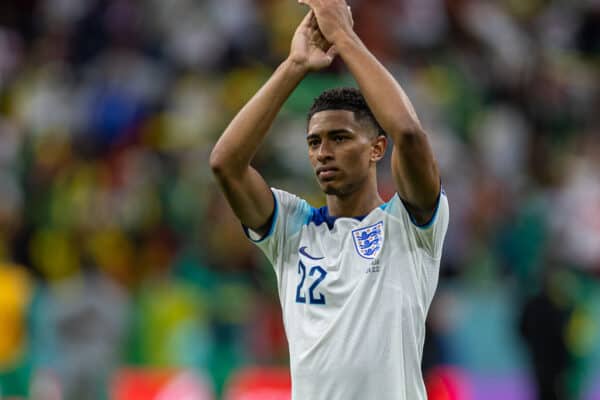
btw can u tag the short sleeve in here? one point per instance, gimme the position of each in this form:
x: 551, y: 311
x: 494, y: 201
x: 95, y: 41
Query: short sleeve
x: 429, y: 236
x: 290, y: 214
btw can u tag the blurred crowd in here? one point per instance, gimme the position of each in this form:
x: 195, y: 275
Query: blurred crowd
x: 116, y: 249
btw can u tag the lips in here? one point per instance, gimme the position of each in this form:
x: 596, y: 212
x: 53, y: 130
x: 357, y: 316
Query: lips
x: 326, y: 172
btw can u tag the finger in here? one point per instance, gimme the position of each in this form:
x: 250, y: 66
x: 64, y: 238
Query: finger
x: 306, y: 2
x: 313, y: 21
x: 350, y: 14
x: 307, y: 20
x: 319, y: 40
x: 316, y: 35
x: 331, y: 53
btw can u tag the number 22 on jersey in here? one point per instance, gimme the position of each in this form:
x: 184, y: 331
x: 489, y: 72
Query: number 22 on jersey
x: 316, y: 275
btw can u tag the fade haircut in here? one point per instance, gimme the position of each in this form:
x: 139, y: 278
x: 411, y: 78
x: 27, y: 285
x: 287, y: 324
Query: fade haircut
x: 345, y: 98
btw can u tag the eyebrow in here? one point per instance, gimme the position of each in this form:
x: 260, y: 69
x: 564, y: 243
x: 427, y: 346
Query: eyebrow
x: 329, y: 133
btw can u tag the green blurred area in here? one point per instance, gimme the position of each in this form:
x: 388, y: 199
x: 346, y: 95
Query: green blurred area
x: 117, y: 249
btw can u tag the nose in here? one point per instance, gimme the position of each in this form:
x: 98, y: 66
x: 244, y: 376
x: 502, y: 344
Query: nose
x: 324, y: 152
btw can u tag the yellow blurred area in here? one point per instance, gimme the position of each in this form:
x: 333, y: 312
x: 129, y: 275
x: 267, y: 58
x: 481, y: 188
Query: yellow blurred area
x: 54, y: 253
x: 114, y: 254
x: 16, y: 290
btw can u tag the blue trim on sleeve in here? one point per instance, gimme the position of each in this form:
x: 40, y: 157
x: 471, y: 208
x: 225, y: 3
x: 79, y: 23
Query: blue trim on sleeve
x: 273, y: 221
x: 384, y: 206
x: 433, y: 217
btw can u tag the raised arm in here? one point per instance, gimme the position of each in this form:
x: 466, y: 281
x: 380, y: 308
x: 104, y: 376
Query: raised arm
x: 244, y: 188
x: 414, y: 167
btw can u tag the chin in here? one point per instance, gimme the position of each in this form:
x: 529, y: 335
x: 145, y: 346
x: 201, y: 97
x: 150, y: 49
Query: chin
x: 327, y: 188
x: 332, y: 190
x: 340, y: 189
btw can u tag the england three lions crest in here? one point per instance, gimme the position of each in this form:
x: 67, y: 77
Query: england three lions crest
x: 368, y: 240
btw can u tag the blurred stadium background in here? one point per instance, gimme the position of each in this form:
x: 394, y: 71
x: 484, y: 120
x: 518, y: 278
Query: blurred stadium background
x: 123, y: 274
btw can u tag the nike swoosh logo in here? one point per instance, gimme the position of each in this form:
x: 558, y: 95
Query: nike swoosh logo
x: 302, y: 250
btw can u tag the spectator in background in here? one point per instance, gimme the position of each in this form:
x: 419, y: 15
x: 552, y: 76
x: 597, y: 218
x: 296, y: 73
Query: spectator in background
x: 544, y: 322
x: 107, y: 106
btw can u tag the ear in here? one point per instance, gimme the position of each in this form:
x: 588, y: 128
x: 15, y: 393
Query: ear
x: 378, y: 146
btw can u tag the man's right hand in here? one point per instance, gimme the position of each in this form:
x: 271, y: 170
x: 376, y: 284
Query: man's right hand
x: 310, y: 50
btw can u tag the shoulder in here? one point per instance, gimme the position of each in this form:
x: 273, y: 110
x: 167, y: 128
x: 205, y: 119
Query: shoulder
x: 429, y: 236
x: 397, y: 207
x: 287, y: 201
x: 291, y: 210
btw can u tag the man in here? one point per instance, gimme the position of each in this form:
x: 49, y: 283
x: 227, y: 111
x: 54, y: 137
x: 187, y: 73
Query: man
x: 356, y: 277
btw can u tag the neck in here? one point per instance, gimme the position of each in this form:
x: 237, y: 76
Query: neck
x: 357, y: 203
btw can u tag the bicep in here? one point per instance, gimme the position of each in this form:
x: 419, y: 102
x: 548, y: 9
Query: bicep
x: 416, y: 174
x: 250, y: 198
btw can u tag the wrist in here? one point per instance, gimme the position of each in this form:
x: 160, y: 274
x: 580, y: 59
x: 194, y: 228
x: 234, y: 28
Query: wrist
x: 343, y: 39
x: 295, y: 66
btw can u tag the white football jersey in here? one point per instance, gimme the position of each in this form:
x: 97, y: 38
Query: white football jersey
x: 355, y: 294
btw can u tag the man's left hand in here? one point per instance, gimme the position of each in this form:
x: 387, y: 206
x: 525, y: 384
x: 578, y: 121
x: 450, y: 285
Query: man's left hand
x: 334, y: 18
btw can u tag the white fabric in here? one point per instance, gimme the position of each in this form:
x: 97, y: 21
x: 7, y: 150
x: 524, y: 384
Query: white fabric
x: 366, y: 340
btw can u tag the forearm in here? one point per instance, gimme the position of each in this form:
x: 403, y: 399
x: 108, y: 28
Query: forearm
x: 386, y: 98
x: 240, y: 140
x: 413, y: 163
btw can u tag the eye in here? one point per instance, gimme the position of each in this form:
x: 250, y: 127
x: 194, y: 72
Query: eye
x: 339, y: 138
x: 313, y: 143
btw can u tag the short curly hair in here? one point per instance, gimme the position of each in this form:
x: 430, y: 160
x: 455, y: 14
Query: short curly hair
x: 345, y: 98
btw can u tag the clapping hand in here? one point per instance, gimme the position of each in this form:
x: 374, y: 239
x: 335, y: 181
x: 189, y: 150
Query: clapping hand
x: 309, y: 47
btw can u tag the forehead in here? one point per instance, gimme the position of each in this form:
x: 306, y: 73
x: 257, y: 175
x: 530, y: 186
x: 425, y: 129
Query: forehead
x: 328, y: 120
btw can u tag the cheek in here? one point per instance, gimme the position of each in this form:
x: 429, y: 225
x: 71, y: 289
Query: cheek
x: 358, y: 160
